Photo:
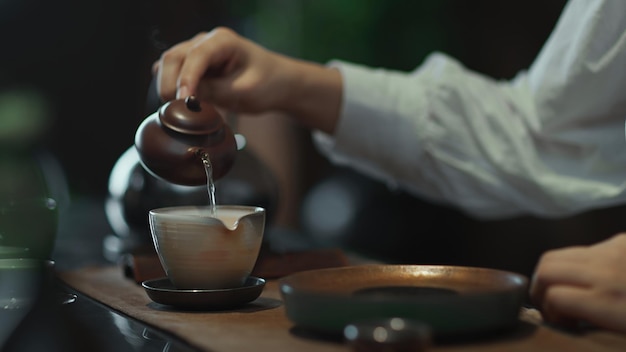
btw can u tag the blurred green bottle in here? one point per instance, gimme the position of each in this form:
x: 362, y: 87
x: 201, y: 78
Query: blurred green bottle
x: 28, y: 212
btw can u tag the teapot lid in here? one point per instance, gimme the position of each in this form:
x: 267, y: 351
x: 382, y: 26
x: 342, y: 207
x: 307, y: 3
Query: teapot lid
x: 190, y: 116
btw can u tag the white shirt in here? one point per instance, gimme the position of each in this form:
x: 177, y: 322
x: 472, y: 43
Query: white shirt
x: 549, y: 142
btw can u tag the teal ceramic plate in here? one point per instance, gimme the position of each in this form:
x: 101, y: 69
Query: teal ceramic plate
x: 452, y: 300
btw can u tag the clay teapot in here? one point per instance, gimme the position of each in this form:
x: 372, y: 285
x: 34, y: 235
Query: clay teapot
x: 173, y: 141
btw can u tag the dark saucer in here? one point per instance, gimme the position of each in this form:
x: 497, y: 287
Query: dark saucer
x: 163, y: 291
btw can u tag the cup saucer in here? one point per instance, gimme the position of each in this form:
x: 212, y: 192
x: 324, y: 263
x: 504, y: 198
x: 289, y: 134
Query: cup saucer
x: 162, y: 291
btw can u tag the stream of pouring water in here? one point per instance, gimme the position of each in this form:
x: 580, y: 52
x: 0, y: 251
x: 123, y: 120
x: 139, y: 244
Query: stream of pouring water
x: 209, y: 182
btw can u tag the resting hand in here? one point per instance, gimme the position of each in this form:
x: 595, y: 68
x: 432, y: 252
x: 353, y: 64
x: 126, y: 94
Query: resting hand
x: 583, y: 284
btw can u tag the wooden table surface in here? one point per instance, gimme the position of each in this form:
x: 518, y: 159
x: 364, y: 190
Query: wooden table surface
x: 262, y: 325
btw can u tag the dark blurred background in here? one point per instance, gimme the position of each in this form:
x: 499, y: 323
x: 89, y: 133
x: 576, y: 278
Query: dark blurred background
x: 92, y: 59
x: 91, y: 62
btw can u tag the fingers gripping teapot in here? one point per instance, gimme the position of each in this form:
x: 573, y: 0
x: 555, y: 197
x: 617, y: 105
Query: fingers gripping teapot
x: 173, y: 142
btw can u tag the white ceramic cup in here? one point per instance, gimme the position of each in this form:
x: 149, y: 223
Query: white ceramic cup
x: 199, y: 250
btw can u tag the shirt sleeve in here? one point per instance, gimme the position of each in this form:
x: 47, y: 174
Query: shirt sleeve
x: 549, y: 142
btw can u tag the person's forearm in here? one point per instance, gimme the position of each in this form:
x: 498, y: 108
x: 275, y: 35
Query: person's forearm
x: 313, y: 95
x: 451, y: 135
